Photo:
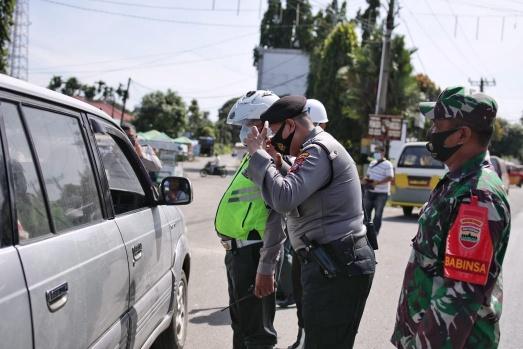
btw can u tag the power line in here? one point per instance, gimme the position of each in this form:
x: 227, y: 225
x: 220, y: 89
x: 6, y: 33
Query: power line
x: 152, y: 66
x: 174, y: 8
x: 458, y: 49
x: 168, y: 53
x: 147, y: 18
x: 498, y: 9
x: 442, y: 14
x: 413, y: 44
x: 478, y: 56
x: 443, y: 52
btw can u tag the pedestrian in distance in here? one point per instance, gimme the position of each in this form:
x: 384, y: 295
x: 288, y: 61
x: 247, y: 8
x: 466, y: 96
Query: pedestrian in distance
x: 253, y: 238
x: 376, y: 186
x: 146, y: 153
x: 321, y: 199
x: 452, y: 290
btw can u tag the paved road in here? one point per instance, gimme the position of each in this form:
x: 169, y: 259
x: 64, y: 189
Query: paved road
x: 209, y: 328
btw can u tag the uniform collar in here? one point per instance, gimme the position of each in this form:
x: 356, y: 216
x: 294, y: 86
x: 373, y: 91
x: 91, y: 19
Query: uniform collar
x: 470, y: 167
x: 314, y: 132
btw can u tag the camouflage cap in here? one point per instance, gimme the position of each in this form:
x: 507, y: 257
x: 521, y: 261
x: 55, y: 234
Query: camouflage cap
x: 477, y: 109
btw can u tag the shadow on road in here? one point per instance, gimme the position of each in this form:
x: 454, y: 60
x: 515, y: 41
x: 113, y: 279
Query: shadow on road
x: 216, y: 318
x: 413, y: 219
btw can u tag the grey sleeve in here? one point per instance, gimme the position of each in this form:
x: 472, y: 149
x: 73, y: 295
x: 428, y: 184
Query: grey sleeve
x: 284, y: 193
x: 273, y: 240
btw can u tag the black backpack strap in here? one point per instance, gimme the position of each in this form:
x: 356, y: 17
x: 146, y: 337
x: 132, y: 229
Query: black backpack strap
x: 377, y: 163
x: 324, y: 147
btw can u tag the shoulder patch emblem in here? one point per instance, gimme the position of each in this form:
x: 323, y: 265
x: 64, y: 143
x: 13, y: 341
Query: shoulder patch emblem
x: 470, y: 232
x: 299, y: 162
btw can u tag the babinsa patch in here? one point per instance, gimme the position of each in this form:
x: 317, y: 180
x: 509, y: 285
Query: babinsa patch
x: 469, y: 232
x: 299, y: 162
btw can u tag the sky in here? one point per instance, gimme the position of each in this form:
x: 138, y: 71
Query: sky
x: 206, y: 53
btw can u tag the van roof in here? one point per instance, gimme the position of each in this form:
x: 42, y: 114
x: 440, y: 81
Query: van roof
x: 20, y: 86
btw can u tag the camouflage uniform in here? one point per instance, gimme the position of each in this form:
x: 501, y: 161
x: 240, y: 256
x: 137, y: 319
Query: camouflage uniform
x: 438, y: 312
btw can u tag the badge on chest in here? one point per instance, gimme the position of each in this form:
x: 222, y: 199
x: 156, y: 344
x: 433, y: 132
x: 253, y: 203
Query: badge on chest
x: 298, y: 163
x: 469, y: 250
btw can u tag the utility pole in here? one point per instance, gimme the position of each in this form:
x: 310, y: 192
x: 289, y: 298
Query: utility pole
x: 19, y: 41
x: 381, y: 100
x: 482, y: 83
x: 125, y: 96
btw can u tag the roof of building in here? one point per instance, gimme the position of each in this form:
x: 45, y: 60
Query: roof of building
x: 112, y: 110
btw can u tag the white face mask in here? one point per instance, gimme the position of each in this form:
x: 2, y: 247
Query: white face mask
x: 244, y: 132
x: 378, y: 156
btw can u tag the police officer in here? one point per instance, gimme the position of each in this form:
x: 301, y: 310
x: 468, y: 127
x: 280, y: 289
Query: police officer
x: 452, y: 292
x: 321, y: 198
x: 252, y: 235
x: 318, y: 114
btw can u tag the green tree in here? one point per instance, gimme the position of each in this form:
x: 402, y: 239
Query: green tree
x: 72, y: 87
x: 56, y: 83
x: 298, y: 17
x: 368, y: 19
x: 429, y: 91
x: 89, y: 91
x: 328, y: 84
x: 507, y: 140
x: 162, y: 111
x: 289, y: 27
x: 226, y: 134
x: 326, y: 20
x: 199, y: 124
x: 195, y: 117
x: 273, y: 33
x: 7, y: 8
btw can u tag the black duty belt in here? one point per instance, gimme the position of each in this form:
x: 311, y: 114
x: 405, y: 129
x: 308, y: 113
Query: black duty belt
x: 359, y: 241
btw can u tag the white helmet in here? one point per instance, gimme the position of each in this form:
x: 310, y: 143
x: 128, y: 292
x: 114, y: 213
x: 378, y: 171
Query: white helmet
x: 250, y: 106
x: 316, y: 111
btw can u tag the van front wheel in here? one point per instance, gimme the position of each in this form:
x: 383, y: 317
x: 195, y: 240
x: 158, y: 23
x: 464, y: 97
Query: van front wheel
x: 407, y: 211
x: 174, y: 336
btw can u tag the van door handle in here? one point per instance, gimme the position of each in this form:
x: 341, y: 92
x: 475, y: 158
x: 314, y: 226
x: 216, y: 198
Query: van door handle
x: 137, y: 252
x: 57, y: 297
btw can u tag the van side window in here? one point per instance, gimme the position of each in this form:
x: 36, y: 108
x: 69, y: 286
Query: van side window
x: 31, y: 213
x: 6, y: 234
x: 126, y: 191
x: 66, y: 168
x: 418, y: 157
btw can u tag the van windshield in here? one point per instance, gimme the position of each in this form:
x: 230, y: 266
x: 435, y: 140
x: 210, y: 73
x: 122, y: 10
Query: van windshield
x: 418, y: 157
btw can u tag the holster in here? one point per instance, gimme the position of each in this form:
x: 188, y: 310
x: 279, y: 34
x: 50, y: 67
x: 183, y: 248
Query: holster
x: 352, y: 254
x: 318, y: 254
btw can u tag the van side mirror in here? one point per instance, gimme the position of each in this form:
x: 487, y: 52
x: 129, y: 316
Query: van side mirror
x: 175, y: 191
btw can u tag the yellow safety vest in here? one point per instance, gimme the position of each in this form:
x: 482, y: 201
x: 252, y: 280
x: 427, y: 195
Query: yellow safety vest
x: 241, y: 209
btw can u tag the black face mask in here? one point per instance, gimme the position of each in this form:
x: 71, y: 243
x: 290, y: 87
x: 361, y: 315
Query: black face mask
x: 282, y: 146
x: 436, y: 145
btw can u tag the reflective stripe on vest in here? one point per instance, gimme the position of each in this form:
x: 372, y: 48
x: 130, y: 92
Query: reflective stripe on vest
x: 241, y: 209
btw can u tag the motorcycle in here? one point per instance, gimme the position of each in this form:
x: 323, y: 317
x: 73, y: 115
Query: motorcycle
x: 213, y: 170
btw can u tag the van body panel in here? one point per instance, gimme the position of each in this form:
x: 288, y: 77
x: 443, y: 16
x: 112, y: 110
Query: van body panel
x: 150, y: 276
x: 93, y: 263
x: 16, y: 329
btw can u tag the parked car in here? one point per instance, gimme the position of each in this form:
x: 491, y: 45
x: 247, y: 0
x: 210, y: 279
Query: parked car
x: 91, y: 255
x: 515, y: 173
x: 500, y: 166
x: 415, y: 175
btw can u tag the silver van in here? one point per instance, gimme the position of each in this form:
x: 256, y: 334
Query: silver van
x: 91, y: 255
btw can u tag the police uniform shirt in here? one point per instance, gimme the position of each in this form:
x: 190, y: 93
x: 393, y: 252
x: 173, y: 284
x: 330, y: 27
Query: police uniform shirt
x: 323, y: 214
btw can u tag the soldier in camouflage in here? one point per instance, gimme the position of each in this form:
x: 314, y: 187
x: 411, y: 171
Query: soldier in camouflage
x: 437, y: 309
